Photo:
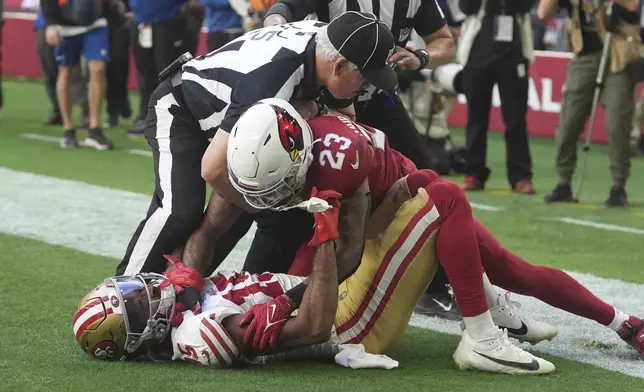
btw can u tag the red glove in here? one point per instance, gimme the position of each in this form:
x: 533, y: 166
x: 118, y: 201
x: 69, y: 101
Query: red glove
x: 326, y: 223
x: 188, y: 284
x: 265, y: 322
x: 182, y: 275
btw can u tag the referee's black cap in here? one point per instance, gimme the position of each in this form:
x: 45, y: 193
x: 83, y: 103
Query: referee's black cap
x: 367, y: 42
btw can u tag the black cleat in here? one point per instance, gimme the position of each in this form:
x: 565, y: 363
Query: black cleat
x: 441, y: 305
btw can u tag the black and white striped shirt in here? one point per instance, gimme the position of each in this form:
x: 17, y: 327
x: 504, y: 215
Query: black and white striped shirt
x: 272, y: 62
x: 401, y: 16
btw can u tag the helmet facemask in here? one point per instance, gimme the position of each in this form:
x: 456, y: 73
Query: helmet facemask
x: 283, y: 194
x: 147, y: 308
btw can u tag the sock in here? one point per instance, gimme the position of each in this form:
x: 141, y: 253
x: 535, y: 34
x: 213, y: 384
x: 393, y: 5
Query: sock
x: 480, y: 327
x: 550, y: 285
x: 491, y: 294
x: 617, y: 322
x: 457, y: 248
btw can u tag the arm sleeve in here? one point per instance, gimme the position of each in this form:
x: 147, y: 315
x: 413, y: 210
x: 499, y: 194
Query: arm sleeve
x: 429, y: 18
x: 293, y: 10
x: 51, y: 11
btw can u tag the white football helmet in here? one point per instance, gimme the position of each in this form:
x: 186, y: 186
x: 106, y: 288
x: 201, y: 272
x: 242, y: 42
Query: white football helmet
x: 269, y: 153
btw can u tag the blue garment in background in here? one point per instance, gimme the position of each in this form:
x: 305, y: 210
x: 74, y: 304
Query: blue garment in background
x: 220, y: 16
x: 155, y: 11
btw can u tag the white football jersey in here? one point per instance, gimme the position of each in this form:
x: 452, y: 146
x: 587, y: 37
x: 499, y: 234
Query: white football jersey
x: 201, y: 338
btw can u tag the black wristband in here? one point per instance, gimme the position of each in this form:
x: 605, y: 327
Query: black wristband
x: 423, y: 56
x: 297, y: 293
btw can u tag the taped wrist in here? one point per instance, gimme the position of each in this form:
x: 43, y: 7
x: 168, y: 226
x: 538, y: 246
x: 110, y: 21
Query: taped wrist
x: 296, y: 294
x: 189, y: 297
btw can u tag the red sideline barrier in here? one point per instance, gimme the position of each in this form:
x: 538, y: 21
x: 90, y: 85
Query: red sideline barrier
x: 547, y: 76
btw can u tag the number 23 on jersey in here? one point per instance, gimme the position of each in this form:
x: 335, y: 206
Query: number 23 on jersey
x: 331, y: 158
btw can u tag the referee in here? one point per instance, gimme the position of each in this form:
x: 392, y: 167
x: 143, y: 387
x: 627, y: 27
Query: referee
x: 205, y: 97
x: 377, y: 108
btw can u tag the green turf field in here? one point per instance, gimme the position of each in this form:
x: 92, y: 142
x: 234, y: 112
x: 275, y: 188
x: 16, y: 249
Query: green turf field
x: 41, y: 283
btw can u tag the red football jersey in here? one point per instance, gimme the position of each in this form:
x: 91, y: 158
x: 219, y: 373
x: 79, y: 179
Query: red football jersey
x: 347, y: 153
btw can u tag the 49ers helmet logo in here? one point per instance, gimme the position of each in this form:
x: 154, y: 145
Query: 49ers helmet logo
x: 290, y: 133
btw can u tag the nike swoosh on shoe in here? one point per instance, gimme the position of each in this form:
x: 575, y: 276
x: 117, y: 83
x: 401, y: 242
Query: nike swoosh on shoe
x: 534, y: 365
x: 443, y: 306
x: 517, y: 331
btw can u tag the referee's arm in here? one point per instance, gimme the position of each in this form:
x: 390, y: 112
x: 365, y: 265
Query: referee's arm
x: 286, y: 11
x: 277, y: 79
x: 430, y: 24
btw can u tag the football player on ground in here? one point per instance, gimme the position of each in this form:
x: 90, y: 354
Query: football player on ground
x: 356, y: 161
x: 377, y: 300
x: 379, y: 296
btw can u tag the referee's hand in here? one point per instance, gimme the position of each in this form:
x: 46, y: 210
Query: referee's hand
x: 274, y: 19
x: 404, y: 59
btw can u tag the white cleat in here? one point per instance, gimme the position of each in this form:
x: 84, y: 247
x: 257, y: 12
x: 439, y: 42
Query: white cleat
x: 506, y: 316
x: 498, y: 355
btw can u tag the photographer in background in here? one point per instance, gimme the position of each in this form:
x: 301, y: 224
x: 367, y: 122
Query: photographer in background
x: 589, y: 24
x: 496, y: 47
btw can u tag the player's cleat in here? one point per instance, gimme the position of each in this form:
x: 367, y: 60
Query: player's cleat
x: 498, y: 355
x: 441, y: 305
x: 506, y: 316
x: 632, y: 332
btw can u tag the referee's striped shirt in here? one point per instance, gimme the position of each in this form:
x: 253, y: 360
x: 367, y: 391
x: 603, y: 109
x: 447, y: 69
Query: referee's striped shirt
x: 272, y: 62
x: 401, y: 16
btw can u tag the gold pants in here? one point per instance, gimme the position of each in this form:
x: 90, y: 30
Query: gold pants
x: 377, y: 301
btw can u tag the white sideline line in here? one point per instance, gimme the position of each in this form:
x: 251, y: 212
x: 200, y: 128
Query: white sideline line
x: 602, y: 226
x: 54, y: 139
x: 41, y: 138
x: 485, y: 207
x: 100, y: 221
x: 140, y: 152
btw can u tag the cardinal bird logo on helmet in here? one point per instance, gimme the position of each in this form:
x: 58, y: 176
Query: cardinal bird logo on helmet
x: 290, y: 133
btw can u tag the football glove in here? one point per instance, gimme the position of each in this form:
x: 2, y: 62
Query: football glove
x: 326, y: 222
x: 265, y: 322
